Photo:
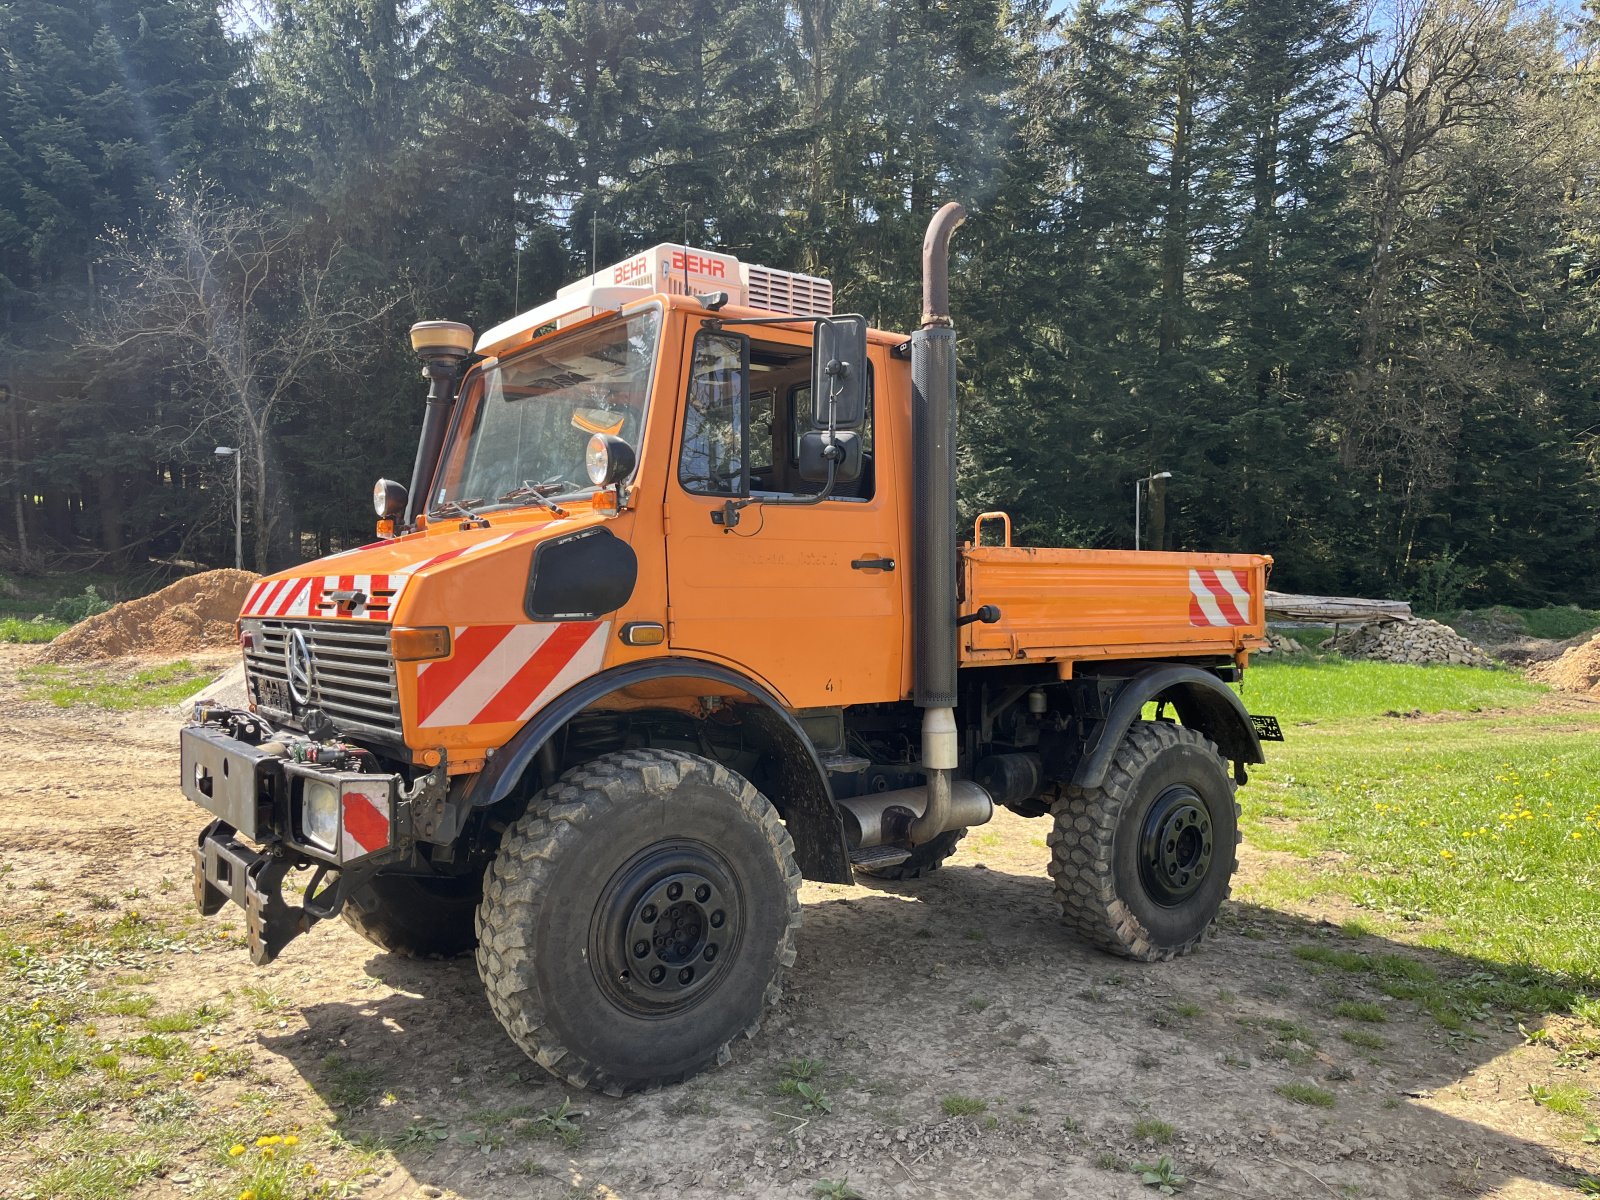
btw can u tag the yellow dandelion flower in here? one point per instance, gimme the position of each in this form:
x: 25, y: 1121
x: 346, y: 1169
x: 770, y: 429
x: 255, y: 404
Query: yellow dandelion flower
x: 309, y: 1169
x: 90, y: 1031
x: 268, y: 1140
x: 268, y: 1153
x: 247, y: 1194
x: 235, y: 1150
x: 1577, y: 833
x: 1445, y: 854
x: 291, y: 1140
x: 199, y: 1076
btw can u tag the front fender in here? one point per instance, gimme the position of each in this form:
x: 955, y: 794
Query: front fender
x: 806, y: 802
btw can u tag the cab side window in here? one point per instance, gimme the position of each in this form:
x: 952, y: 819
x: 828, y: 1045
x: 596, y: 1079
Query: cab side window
x: 721, y: 430
x: 715, y: 438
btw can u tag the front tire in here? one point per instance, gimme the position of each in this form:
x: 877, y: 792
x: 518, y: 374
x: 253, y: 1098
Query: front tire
x: 637, y: 919
x: 416, y: 916
x: 1143, y: 863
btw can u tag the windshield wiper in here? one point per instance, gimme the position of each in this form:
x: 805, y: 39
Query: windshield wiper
x: 457, y: 508
x: 535, y: 492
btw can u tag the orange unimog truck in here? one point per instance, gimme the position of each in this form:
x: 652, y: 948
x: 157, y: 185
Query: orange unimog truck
x: 675, y: 615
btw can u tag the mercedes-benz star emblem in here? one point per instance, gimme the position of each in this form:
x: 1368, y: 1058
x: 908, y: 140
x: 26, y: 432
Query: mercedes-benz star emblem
x: 297, y: 660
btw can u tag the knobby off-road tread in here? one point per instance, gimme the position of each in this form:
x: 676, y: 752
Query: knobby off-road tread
x: 1081, y: 847
x: 927, y: 857
x: 515, y: 894
x: 403, y: 919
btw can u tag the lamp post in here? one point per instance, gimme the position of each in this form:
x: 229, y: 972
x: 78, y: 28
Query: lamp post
x: 238, y: 502
x: 1138, y: 495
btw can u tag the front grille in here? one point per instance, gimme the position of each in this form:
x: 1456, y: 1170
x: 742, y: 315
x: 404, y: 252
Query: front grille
x: 352, y: 675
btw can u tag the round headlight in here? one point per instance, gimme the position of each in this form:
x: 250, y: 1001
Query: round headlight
x: 607, y: 459
x: 388, y: 498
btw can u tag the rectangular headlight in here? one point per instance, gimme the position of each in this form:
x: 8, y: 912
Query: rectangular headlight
x: 319, y: 814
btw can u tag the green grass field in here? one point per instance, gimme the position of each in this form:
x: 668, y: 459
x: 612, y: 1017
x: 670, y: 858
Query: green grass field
x: 1476, y: 833
x: 112, y: 687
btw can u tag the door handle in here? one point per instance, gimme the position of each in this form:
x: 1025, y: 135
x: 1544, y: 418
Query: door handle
x: 872, y: 564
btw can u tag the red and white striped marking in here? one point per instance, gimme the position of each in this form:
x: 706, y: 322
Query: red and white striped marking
x: 1218, y: 598
x: 306, y: 596
x: 364, y: 828
x: 507, y: 672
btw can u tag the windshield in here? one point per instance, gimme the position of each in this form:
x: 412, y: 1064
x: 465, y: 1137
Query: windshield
x: 525, y: 423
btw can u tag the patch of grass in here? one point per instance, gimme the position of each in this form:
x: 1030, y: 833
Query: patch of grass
x: 1558, y: 623
x: 1473, y: 836
x: 976, y: 1004
x: 263, y: 1000
x: 111, y: 688
x: 31, y: 632
x: 185, y: 1020
x: 118, y: 1005
x: 1308, y: 689
x: 1364, y: 1038
x: 836, y: 1189
x: 149, y: 1045
x: 1148, y: 1129
x: 96, y: 1172
x: 347, y: 1085
x: 559, y: 1121
x: 1361, y: 1010
x: 1567, y: 1099
x: 963, y: 1106
x: 1306, y: 1093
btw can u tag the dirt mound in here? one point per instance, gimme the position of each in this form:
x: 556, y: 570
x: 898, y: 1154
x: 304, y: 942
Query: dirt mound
x: 1410, y: 640
x: 196, y: 613
x: 1578, y: 670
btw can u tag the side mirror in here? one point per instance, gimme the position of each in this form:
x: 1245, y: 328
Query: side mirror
x: 816, y: 448
x: 839, y: 373
x: 389, y: 499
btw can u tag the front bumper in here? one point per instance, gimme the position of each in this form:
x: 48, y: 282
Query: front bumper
x: 259, y: 796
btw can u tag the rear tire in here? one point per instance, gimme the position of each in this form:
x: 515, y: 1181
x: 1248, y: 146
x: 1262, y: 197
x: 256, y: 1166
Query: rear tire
x: 416, y: 916
x: 927, y: 857
x: 1143, y: 863
x: 638, y: 919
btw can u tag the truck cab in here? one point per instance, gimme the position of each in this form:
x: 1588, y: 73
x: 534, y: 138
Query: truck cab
x: 673, y: 614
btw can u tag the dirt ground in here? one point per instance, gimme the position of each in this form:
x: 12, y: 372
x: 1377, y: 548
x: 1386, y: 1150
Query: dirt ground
x: 961, y: 985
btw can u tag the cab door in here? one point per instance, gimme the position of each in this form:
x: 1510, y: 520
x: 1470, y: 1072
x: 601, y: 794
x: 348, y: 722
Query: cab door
x: 807, y: 598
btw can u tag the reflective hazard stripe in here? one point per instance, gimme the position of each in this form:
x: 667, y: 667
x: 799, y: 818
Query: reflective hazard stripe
x: 1218, y: 598
x: 507, y: 672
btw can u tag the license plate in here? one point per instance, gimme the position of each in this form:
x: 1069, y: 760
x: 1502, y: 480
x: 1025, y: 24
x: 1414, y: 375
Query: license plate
x: 273, y: 693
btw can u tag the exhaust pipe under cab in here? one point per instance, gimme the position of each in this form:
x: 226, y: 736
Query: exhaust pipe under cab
x: 933, y: 557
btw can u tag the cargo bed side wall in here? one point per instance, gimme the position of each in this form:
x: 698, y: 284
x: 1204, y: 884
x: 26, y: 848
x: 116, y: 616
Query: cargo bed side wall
x: 1099, y: 604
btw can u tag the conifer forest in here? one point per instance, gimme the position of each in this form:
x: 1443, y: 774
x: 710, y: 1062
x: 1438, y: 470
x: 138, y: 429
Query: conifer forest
x: 1335, y: 267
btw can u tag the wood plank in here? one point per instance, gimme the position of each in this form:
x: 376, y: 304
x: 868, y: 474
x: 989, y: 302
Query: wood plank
x: 1282, y: 606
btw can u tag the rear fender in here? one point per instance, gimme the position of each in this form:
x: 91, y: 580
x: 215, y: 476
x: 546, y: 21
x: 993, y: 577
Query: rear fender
x: 1203, y: 703
x: 804, y: 799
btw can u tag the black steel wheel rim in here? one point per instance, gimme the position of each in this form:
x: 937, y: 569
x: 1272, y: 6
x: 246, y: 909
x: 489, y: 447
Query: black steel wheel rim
x: 1175, y: 846
x: 666, y: 929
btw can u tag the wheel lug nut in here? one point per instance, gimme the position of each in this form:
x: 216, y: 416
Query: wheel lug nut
x: 710, y: 952
x: 702, y: 893
x: 674, y: 891
x: 640, y: 949
x: 685, y: 975
x: 716, y: 919
x: 657, y: 974
x: 648, y: 913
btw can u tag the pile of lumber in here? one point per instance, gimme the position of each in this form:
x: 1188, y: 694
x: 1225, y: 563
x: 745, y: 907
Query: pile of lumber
x: 1328, y: 610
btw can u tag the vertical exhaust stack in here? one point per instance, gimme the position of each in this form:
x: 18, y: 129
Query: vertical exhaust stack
x: 933, y: 543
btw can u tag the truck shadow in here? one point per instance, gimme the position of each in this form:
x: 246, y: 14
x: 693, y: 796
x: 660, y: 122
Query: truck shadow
x: 964, y: 985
